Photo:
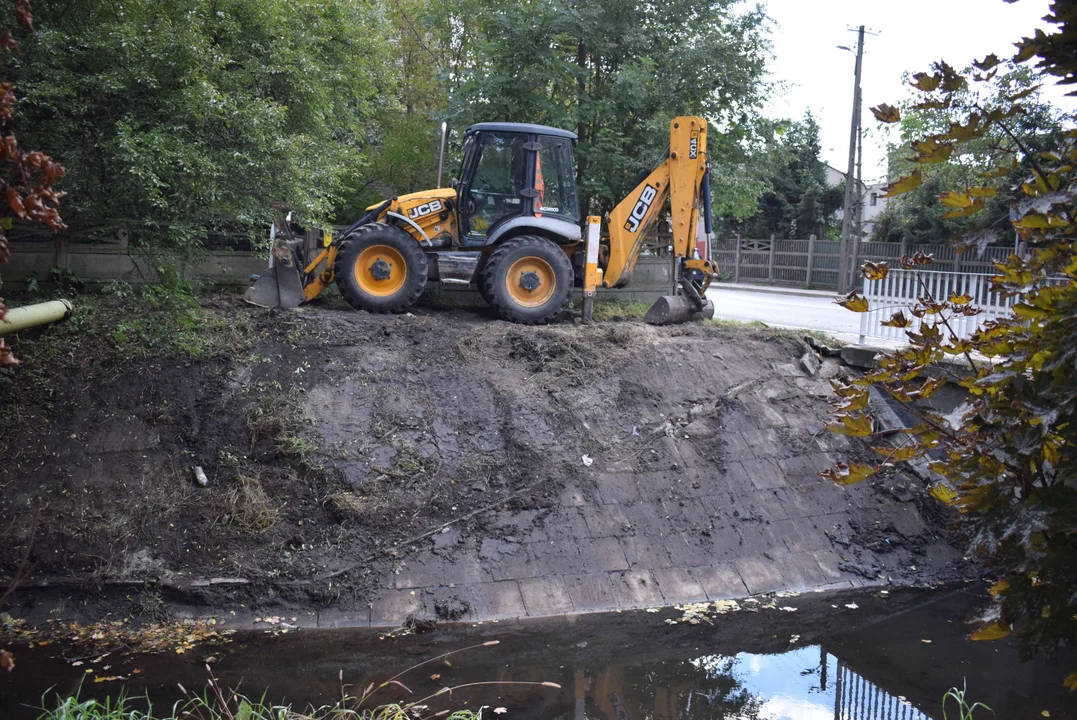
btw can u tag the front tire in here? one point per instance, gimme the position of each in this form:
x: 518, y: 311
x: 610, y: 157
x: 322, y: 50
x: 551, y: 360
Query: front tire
x: 528, y: 280
x: 380, y: 268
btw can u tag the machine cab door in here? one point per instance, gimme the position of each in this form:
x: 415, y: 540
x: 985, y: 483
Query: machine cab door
x: 507, y: 175
x: 495, y: 182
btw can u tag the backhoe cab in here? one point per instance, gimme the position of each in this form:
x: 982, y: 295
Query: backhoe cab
x: 510, y: 226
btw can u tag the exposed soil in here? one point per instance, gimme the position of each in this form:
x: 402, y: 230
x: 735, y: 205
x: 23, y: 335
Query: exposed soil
x: 341, y: 439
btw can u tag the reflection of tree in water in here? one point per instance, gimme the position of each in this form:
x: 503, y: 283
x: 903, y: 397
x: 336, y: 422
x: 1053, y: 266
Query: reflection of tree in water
x: 704, y: 689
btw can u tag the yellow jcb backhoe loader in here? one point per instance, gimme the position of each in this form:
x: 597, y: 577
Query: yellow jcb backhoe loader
x: 510, y: 226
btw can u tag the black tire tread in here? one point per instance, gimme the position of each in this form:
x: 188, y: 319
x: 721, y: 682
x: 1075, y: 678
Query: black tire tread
x: 413, y: 256
x: 535, y: 246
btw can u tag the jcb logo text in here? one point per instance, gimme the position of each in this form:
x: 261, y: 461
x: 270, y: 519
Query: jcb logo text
x: 640, y: 210
x: 425, y: 209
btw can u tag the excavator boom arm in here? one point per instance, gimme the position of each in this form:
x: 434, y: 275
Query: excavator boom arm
x: 680, y: 177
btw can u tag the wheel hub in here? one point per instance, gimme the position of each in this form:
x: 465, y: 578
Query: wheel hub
x: 530, y: 281
x: 381, y: 270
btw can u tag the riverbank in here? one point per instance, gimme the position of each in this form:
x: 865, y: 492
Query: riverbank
x: 441, y: 465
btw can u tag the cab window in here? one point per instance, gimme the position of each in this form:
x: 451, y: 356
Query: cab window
x: 558, y: 179
x: 499, y: 178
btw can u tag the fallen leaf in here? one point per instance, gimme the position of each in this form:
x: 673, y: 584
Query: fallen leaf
x: 787, y: 608
x: 435, y: 676
x: 991, y: 631
x: 925, y: 640
x: 852, y: 606
x: 7, y: 661
x: 500, y: 711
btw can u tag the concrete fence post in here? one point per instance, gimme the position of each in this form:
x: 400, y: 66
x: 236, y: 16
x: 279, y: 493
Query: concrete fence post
x: 770, y: 261
x: 904, y: 247
x: 957, y: 261
x: 811, y: 259
x: 736, y: 261
x: 59, y: 248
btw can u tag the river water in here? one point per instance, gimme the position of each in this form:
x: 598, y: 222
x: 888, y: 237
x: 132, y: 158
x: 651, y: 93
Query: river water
x: 851, y: 657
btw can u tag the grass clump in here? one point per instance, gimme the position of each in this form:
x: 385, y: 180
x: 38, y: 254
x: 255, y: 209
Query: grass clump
x: 278, y: 416
x: 607, y: 308
x: 248, y: 507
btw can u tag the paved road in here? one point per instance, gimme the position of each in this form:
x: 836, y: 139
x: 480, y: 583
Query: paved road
x: 816, y: 312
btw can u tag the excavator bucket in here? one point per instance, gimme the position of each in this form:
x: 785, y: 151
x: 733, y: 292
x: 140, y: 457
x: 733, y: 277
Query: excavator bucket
x: 280, y: 286
x: 686, y: 306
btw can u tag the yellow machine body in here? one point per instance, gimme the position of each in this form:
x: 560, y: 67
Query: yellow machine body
x: 434, y: 218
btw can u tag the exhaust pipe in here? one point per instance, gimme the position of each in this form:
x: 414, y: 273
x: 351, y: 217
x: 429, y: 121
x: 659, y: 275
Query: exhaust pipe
x: 441, y: 153
x: 29, y: 316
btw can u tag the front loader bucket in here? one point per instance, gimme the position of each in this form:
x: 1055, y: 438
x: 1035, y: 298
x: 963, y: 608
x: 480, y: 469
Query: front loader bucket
x: 280, y: 286
x: 689, y: 305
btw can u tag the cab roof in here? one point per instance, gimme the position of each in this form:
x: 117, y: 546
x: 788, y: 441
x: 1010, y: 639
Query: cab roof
x: 529, y: 128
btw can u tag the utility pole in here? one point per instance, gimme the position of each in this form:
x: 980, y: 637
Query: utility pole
x: 859, y: 193
x: 854, y: 134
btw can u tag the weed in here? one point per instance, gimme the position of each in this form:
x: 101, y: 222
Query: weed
x: 247, y: 507
x: 119, y: 289
x: 216, y: 703
x: 964, y: 709
x: 150, y: 605
x: 66, y: 282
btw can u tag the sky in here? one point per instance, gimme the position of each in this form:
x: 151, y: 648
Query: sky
x: 911, y: 35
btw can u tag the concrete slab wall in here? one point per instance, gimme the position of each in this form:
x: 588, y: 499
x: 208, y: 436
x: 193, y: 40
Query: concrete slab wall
x: 97, y: 265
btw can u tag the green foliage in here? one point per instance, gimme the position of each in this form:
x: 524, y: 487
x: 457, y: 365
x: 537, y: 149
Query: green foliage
x: 1010, y: 451
x: 176, y: 116
x: 799, y: 202
x: 616, y: 73
x: 124, y: 323
x: 917, y: 216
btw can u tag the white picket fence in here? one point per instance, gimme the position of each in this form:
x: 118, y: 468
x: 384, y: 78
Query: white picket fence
x: 900, y: 289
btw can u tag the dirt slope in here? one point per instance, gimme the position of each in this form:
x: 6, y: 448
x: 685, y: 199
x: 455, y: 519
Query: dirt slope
x: 337, y: 441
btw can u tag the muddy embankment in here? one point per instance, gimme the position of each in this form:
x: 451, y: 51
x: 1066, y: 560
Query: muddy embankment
x: 364, y: 468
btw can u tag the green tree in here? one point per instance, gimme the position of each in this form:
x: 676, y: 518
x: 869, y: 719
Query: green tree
x: 799, y: 202
x: 175, y: 116
x: 1010, y: 451
x: 917, y: 217
x: 616, y: 72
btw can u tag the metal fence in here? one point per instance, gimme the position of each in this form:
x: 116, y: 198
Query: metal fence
x: 900, y: 290
x: 816, y: 263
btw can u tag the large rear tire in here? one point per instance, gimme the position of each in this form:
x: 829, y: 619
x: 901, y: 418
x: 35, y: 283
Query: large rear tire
x: 528, y: 280
x: 380, y: 268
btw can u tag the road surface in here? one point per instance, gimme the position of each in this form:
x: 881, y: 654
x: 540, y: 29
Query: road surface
x: 782, y: 309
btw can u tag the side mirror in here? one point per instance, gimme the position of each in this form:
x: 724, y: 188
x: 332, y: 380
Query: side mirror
x: 454, y: 184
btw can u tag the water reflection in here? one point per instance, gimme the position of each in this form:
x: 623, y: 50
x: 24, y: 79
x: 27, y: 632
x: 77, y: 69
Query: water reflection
x: 803, y: 684
x: 871, y: 664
